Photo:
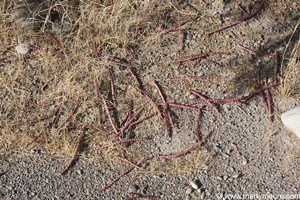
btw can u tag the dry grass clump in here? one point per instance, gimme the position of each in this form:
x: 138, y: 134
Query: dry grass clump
x: 122, y: 47
x: 60, y: 71
x: 291, y: 67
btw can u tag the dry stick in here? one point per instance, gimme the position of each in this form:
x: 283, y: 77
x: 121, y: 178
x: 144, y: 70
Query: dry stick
x: 70, y: 115
x: 206, y: 100
x: 239, y: 20
x: 45, y: 50
x: 73, y: 156
x: 130, y: 126
x: 219, y: 101
x: 142, y: 119
x: 7, y: 29
x: 136, y: 122
x: 144, y: 93
x: 239, y: 7
x: 197, y: 56
x: 269, y: 101
x: 79, y: 127
x: 119, y: 142
x: 179, y: 32
x: 128, y: 123
x: 50, y: 22
x: 129, y: 54
x: 190, y: 149
x: 143, y: 197
x: 258, y: 91
x: 198, y: 122
x: 98, y: 103
x: 194, y: 78
x: 108, y: 72
x: 276, y: 66
x: 118, y: 177
x: 166, y: 110
x: 57, y: 43
x: 109, y: 116
x: 45, y: 128
x: 246, y: 49
x: 125, y: 160
x: 175, y: 28
x: 42, y: 118
x: 261, y: 93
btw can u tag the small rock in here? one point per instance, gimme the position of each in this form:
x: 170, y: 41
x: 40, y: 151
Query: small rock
x: 235, y: 176
x: 194, y: 184
x: 225, y: 177
x: 132, y: 189
x: 244, y: 162
x: 79, y: 172
x: 188, y: 191
x: 144, y: 178
x: 22, y: 48
x: 192, y: 96
x: 201, y: 74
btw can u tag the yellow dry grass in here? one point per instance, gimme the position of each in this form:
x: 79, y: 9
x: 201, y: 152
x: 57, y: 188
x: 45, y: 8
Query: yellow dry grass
x: 35, y: 84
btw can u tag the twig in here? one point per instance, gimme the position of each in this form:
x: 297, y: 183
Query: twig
x: 74, y: 154
x: 40, y: 49
x: 98, y: 103
x: 239, y: 20
x: 144, y: 118
x: 261, y: 93
x: 246, y: 49
x: 7, y: 29
x: 57, y: 43
x: 109, y: 116
x: 45, y: 128
x: 118, y: 177
x: 206, y: 100
x: 42, y: 118
x: 258, y: 91
x: 128, y: 123
x: 194, y: 78
x: 144, y: 93
x: 179, y: 32
x: 70, y: 115
x: 129, y: 53
x: 185, y: 152
x: 79, y: 127
x: 269, y: 101
x: 239, y: 7
x: 125, y: 160
x: 276, y: 67
x: 108, y: 72
x: 198, y: 122
x: 119, y: 142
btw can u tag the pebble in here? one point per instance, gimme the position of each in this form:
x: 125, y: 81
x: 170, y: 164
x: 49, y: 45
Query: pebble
x: 188, y: 191
x: 194, y: 184
x: 244, y: 162
x: 144, y: 178
x: 132, y: 189
x: 192, y: 96
x: 79, y: 172
x: 225, y: 177
x: 22, y: 48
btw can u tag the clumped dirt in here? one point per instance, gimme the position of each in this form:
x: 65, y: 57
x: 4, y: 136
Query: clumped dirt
x: 244, y: 153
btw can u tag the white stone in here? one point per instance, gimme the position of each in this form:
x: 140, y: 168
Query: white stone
x: 22, y: 48
x: 194, y: 185
x: 291, y: 119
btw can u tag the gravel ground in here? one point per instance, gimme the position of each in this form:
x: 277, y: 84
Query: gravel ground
x: 250, y: 156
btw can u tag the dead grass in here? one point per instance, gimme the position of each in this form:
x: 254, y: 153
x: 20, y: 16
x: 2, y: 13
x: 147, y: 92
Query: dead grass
x: 35, y: 84
x: 290, y: 66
